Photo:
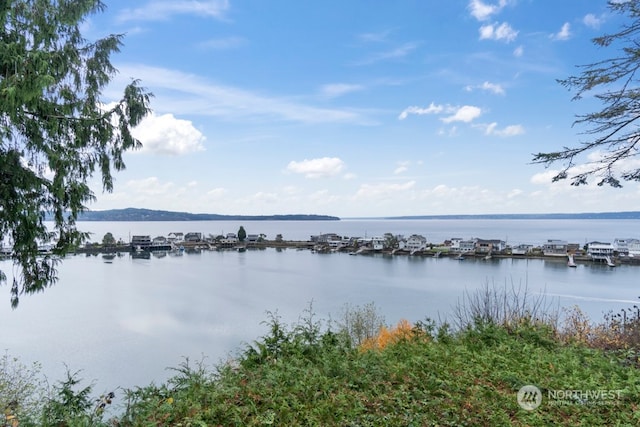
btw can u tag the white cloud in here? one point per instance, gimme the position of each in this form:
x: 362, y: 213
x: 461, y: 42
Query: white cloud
x: 167, y: 135
x: 264, y: 197
x: 323, y: 198
x: 148, y: 187
x: 592, y: 21
x: 163, y: 10
x: 223, y: 43
x: 482, y: 11
x: 513, y: 130
x: 498, y: 32
x: 489, y: 87
x: 184, y: 93
x: 514, y: 193
x: 217, y: 193
x: 349, y: 176
x: 374, y: 37
x: 402, y: 167
x: 518, y: 52
x: 317, y: 168
x: 380, y: 191
x: 492, y: 87
x: 338, y: 89
x: 564, y: 33
x: 399, y: 52
x: 431, y: 109
x: 464, y: 114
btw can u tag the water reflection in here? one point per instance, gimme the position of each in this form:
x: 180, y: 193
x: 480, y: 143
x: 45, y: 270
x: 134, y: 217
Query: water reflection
x: 142, y: 313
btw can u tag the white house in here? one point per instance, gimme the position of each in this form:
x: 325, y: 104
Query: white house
x: 375, y: 243
x: 487, y: 246
x: 555, y: 248
x: 416, y: 242
x: 634, y: 247
x: 460, y: 245
x: 599, y: 250
x: 522, y: 249
x: 175, y: 237
x: 627, y: 246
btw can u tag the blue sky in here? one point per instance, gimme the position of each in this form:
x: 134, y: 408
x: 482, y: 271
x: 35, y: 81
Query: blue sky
x: 354, y: 108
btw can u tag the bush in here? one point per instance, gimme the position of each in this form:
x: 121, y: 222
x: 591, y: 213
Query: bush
x: 507, y: 307
x: 22, y: 391
x: 361, y: 323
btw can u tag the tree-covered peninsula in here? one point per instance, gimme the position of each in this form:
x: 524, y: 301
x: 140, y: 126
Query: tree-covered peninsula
x: 133, y: 214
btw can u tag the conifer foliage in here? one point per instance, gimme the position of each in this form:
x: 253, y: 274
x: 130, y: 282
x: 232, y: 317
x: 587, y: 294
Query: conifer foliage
x: 55, y: 129
x: 613, y: 139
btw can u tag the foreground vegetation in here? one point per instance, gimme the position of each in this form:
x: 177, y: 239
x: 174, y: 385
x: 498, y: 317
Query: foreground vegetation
x: 360, y: 372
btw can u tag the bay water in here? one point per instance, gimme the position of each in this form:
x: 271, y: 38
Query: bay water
x: 123, y: 323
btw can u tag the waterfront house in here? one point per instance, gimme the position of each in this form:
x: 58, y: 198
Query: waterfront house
x: 486, y: 246
x: 228, y: 242
x: 454, y: 244
x: 253, y: 238
x: 555, y: 247
x: 175, y: 237
x: 325, y: 238
x: 463, y: 246
x: 416, y: 242
x: 375, y: 243
x: 521, y: 249
x: 140, y: 242
x: 621, y: 246
x: 634, y: 247
x: 159, y: 240
x: 627, y: 247
x: 193, y: 237
x: 599, y: 250
x: 337, y: 244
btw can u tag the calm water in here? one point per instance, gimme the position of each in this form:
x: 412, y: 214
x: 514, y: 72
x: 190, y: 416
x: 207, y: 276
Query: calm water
x: 123, y: 323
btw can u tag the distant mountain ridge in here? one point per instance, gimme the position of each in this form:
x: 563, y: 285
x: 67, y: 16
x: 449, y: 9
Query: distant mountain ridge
x: 135, y: 214
x: 587, y: 215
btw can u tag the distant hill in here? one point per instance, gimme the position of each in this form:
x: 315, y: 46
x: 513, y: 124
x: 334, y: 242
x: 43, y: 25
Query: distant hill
x: 133, y: 214
x: 592, y: 215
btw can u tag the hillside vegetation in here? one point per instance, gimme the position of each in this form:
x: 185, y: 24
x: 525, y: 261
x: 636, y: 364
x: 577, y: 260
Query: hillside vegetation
x: 360, y: 372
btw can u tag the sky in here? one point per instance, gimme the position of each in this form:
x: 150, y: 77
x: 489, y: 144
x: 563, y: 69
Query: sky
x: 359, y: 108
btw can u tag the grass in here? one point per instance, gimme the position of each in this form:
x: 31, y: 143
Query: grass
x: 425, y: 374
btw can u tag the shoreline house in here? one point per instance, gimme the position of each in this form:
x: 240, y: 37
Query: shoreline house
x: 140, y: 242
x: 462, y: 246
x: 599, y: 250
x: 229, y: 241
x: 375, y: 243
x: 521, y: 249
x: 330, y: 239
x: 415, y: 242
x: 193, y: 237
x: 555, y: 247
x: 175, y: 237
x: 634, y: 247
x: 627, y: 247
x: 484, y: 246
